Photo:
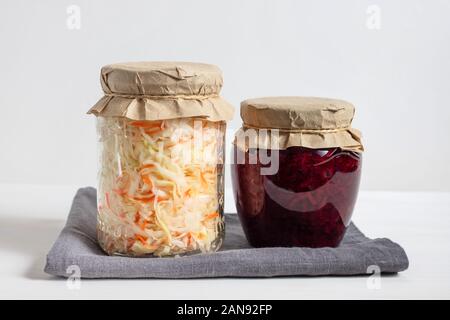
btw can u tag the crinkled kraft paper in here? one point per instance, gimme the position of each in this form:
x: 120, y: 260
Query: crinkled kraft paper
x: 162, y: 90
x: 349, y: 139
x: 308, y: 122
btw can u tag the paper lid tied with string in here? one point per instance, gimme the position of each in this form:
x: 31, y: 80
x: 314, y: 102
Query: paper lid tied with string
x: 309, y: 122
x: 162, y: 90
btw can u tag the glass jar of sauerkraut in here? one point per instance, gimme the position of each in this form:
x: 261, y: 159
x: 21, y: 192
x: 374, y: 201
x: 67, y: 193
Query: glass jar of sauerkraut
x: 296, y: 171
x: 161, y: 127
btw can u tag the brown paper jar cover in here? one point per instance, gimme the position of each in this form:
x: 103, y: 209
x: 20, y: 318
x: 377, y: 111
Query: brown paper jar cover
x: 162, y: 90
x: 309, y: 122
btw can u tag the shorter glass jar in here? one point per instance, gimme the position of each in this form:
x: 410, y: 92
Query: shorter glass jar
x: 296, y: 171
x: 307, y: 203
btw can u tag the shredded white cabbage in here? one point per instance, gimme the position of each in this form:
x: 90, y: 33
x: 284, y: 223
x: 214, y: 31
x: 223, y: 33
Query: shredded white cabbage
x: 160, y: 186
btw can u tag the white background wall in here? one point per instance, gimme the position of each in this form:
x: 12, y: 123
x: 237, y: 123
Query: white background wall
x: 398, y: 76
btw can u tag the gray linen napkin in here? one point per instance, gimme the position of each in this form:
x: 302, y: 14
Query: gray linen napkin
x: 77, y: 245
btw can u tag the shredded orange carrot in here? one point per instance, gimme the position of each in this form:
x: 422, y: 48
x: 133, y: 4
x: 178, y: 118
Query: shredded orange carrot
x: 188, y: 192
x: 146, y: 193
x: 130, y: 242
x: 137, y: 216
x: 170, y: 144
x: 146, y: 124
x: 203, y: 180
x: 143, y: 198
x: 119, y: 192
x: 146, y: 166
x: 211, y: 215
x: 162, y: 198
x: 142, y: 239
x: 139, y: 124
x: 147, y: 180
x: 108, y: 204
x: 152, y: 130
x: 143, y: 224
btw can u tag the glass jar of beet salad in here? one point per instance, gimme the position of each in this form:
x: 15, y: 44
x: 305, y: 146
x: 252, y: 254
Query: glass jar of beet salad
x: 296, y: 171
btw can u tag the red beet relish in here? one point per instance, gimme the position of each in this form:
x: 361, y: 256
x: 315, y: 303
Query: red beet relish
x: 307, y: 203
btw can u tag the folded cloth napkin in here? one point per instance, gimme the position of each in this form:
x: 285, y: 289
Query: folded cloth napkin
x: 77, y: 245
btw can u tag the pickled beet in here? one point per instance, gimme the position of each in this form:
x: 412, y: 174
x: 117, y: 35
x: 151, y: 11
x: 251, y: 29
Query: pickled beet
x: 307, y: 203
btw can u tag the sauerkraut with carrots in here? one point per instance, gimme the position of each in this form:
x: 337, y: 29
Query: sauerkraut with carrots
x: 160, y: 186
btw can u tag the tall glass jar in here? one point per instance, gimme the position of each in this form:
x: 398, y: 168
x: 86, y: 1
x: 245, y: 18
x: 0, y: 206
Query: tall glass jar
x: 296, y: 171
x: 160, y: 189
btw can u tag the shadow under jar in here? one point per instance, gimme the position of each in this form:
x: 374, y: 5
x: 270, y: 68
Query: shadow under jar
x: 296, y: 186
x: 160, y: 183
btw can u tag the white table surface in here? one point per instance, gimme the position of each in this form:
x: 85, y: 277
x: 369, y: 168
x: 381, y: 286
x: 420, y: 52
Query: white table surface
x: 32, y: 216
